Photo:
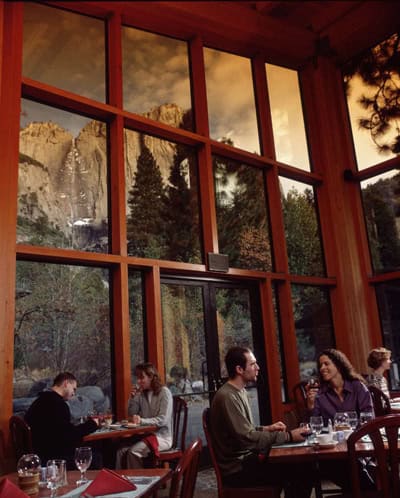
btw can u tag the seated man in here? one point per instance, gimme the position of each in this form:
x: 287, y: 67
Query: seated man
x: 53, y: 434
x: 239, y: 444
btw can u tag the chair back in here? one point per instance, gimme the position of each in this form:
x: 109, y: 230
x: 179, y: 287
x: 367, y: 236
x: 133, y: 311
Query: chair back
x: 21, y: 436
x: 207, y: 433
x: 380, y: 400
x: 180, y: 416
x: 383, y: 432
x: 184, y: 477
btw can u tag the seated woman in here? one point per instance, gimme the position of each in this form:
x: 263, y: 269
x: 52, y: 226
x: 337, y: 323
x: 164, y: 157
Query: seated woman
x: 341, y: 387
x: 150, y: 404
x: 379, y: 360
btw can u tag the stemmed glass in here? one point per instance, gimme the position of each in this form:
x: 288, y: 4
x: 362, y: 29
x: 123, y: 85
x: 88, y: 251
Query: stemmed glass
x: 306, y: 431
x: 83, y: 459
x: 54, y: 476
x: 316, y: 424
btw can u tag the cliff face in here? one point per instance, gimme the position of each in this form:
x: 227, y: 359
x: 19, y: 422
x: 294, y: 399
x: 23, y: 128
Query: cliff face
x: 64, y: 179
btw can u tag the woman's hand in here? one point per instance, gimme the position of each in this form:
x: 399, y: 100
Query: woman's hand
x: 136, y: 419
x: 277, y: 426
x: 135, y: 390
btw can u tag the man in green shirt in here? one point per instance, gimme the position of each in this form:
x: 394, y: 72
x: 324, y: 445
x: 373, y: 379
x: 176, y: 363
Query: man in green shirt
x: 238, y: 443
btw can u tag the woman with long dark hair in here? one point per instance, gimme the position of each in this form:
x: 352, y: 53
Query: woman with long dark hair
x: 151, y: 404
x: 341, y: 387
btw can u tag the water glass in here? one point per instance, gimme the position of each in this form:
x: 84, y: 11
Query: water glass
x: 56, y: 471
x: 366, y: 417
x: 353, y: 419
x: 316, y: 424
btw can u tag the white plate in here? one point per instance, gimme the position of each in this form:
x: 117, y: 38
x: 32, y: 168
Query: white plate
x: 130, y: 425
x: 115, y: 426
x: 326, y: 446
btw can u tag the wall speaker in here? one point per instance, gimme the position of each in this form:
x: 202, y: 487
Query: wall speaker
x: 218, y: 262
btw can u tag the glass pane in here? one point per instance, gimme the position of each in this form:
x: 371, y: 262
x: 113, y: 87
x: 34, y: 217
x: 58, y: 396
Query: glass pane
x: 313, y: 325
x: 162, y: 195
x: 62, y: 180
x: 235, y: 328
x: 62, y: 323
x: 278, y: 328
x: 136, y: 314
x: 301, y: 228
x: 388, y: 296
x: 156, y: 79
x: 287, y: 117
x: 372, y: 88
x: 230, y: 97
x: 242, y: 215
x: 381, y: 200
x: 65, y: 50
x: 185, y: 350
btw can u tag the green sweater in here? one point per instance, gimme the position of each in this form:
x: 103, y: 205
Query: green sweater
x: 233, y: 432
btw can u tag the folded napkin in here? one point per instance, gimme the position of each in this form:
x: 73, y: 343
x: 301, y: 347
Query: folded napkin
x: 108, y: 482
x: 9, y: 490
x: 152, y: 443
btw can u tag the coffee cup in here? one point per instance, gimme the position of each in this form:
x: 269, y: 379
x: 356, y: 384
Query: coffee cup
x: 324, y: 439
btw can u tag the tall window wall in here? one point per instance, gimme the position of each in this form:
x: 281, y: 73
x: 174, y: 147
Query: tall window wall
x: 139, y: 157
x: 372, y: 83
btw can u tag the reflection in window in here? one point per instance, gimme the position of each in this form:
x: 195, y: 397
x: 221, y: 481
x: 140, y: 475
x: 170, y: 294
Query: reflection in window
x: 184, y: 339
x: 62, y: 180
x: 136, y: 317
x: 301, y: 228
x: 287, y: 117
x: 62, y: 323
x: 242, y: 216
x: 162, y: 195
x: 381, y: 200
x: 313, y: 325
x: 156, y: 77
x: 230, y: 97
x: 372, y: 83
x: 55, y: 51
x: 388, y: 296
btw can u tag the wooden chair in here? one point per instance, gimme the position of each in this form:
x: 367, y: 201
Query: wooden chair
x: 224, y: 491
x: 184, y: 477
x: 387, y: 460
x: 380, y: 400
x: 180, y: 416
x: 21, y: 436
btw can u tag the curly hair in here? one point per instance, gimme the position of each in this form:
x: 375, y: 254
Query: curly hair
x: 150, y: 370
x: 342, y: 363
x: 377, y: 356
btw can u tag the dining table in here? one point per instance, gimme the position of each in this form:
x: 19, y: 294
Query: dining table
x: 147, y: 482
x: 292, y: 453
x: 121, y: 431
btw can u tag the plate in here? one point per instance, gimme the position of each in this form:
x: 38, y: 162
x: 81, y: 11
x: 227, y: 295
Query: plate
x: 327, y: 446
x: 115, y: 426
x: 130, y: 425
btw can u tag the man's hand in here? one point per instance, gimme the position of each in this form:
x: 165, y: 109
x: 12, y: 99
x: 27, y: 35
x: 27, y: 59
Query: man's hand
x: 277, y: 426
x: 296, y: 434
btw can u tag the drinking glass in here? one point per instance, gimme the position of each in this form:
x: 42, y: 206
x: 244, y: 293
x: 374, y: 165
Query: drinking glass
x: 306, y: 431
x: 353, y: 419
x: 55, y: 475
x: 341, y: 421
x: 366, y: 417
x: 316, y: 424
x: 83, y: 459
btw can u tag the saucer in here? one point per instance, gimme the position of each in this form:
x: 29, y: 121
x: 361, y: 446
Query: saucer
x: 115, y: 426
x: 130, y: 425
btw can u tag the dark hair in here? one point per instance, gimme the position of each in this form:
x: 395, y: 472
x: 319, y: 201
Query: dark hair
x: 377, y: 356
x: 62, y: 377
x: 235, y: 357
x: 342, y: 363
x: 150, y: 370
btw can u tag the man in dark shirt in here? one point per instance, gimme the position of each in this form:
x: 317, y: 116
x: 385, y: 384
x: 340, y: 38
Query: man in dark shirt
x: 49, y: 417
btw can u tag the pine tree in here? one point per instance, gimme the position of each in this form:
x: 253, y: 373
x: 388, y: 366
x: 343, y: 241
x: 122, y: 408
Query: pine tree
x: 145, y: 230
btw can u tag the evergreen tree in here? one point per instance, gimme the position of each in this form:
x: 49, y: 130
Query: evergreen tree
x: 146, y: 201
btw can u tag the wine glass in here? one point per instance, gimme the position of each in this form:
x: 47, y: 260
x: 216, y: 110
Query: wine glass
x: 316, y: 424
x: 83, y: 459
x: 54, y: 476
x: 353, y: 419
x: 306, y: 431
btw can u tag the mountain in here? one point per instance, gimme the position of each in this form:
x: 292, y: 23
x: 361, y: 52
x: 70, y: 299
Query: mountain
x: 63, y: 179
